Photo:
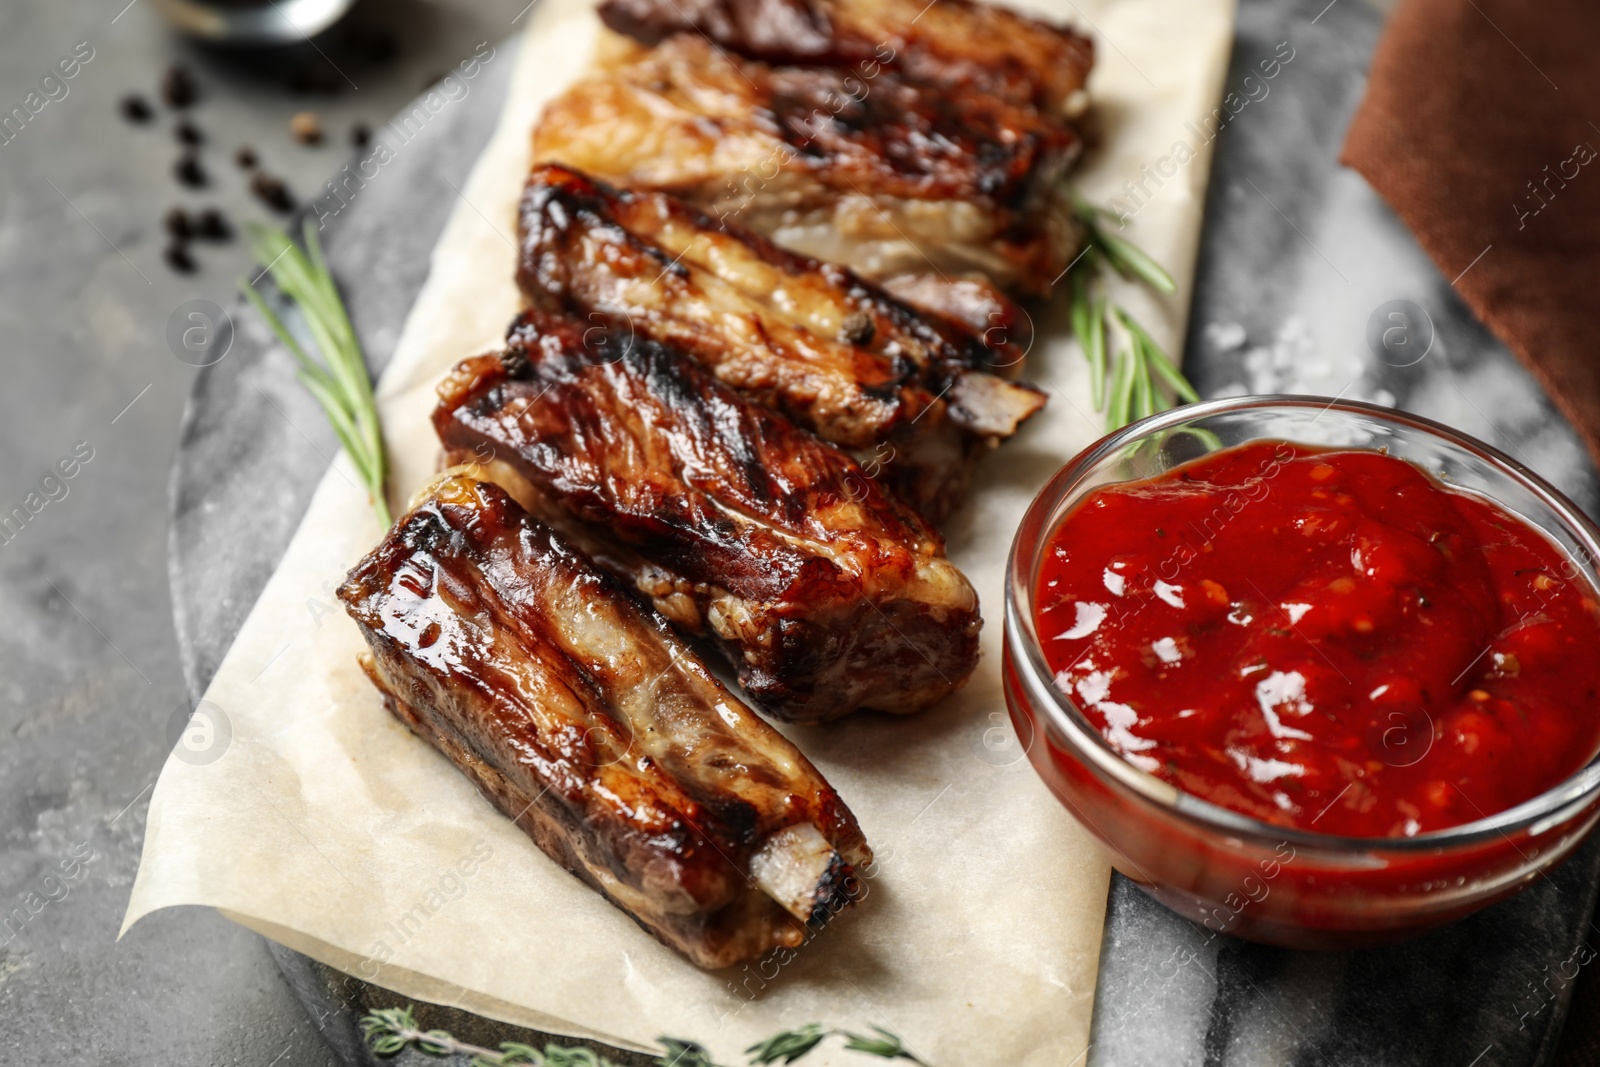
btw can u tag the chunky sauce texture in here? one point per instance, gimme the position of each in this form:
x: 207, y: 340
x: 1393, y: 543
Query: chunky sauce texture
x: 1328, y: 640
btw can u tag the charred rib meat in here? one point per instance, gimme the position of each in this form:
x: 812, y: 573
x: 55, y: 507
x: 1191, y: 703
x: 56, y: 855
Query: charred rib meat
x: 585, y: 719
x: 907, y: 391
x: 886, y: 175
x: 827, y: 594
x: 976, y: 47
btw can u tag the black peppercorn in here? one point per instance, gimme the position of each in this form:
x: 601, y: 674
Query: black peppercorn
x: 189, y: 170
x: 178, y: 257
x: 136, y: 108
x: 177, y: 224
x: 177, y: 87
x: 213, y: 225
x: 271, y: 191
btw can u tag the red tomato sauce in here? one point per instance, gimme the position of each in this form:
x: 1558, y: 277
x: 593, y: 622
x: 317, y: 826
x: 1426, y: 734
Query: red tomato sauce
x: 1323, y: 639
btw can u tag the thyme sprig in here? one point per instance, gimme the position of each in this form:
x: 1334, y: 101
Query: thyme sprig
x: 340, y: 383
x: 1143, y: 379
x: 392, y: 1030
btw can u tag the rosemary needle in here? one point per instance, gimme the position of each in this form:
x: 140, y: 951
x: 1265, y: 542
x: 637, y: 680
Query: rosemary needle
x: 1121, y: 391
x: 1128, y: 259
x: 1097, y: 352
x: 340, y: 383
x: 1164, y: 367
x: 1143, y: 378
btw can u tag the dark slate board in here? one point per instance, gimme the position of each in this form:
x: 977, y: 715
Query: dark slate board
x: 254, y: 445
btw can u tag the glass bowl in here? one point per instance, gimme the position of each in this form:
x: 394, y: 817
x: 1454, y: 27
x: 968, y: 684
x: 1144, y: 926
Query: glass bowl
x: 1234, y: 873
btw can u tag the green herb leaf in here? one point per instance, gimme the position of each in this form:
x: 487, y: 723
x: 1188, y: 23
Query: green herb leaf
x: 340, y: 383
x: 1144, y: 380
x: 787, y: 1046
x: 393, y: 1029
x: 1121, y: 391
x: 681, y: 1053
x: 435, y: 1042
x: 1097, y: 353
x: 1144, y: 390
x: 1126, y: 258
x: 887, y: 1045
x: 1163, y: 366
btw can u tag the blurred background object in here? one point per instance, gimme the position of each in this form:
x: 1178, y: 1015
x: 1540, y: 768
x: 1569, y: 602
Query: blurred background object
x: 254, y: 21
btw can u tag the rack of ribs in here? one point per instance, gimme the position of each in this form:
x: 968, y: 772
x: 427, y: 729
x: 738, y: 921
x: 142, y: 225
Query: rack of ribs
x: 826, y: 593
x: 585, y: 719
x: 958, y: 44
x: 889, y: 175
x: 914, y: 396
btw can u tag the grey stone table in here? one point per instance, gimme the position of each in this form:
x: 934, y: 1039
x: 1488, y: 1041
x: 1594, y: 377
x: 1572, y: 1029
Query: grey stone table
x: 1297, y: 257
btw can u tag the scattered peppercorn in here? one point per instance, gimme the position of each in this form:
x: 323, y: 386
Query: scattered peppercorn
x: 177, y: 224
x: 178, y: 257
x: 136, y: 108
x: 360, y: 134
x: 306, y: 128
x: 177, y: 87
x: 189, y: 170
x: 188, y: 133
x: 213, y: 225
x: 271, y: 191
x: 245, y: 157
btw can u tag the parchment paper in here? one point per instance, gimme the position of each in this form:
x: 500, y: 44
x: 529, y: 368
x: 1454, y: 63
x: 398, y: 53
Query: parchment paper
x: 326, y: 826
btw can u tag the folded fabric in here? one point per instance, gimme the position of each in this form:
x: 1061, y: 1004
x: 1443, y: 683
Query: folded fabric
x: 1479, y: 129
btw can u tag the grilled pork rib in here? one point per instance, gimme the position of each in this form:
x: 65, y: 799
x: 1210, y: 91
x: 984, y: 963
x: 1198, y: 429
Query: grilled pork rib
x: 584, y: 718
x: 958, y: 44
x: 907, y: 392
x: 826, y: 593
x: 883, y: 174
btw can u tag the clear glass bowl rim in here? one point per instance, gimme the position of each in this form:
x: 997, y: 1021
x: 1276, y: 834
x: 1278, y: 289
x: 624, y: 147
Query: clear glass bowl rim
x: 1086, y: 741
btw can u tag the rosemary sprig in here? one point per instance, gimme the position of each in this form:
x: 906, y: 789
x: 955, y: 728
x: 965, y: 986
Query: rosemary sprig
x: 790, y: 1045
x: 1143, y: 379
x: 393, y: 1029
x: 340, y: 383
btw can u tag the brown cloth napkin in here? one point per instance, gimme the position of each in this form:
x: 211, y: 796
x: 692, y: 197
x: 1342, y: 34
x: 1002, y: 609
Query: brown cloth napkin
x: 1481, y: 128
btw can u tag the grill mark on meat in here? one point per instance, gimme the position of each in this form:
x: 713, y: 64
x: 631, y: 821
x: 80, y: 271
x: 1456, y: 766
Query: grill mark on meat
x: 838, y: 355
x: 898, y: 172
x: 977, y: 47
x: 582, y: 717
x: 825, y: 593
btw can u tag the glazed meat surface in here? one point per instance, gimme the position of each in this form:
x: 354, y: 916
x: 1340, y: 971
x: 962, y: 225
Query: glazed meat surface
x: 826, y: 593
x: 952, y: 43
x: 975, y: 302
x: 581, y: 715
x: 887, y: 176
x: 909, y: 392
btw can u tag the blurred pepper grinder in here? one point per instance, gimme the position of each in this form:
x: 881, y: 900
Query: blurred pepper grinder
x: 253, y: 22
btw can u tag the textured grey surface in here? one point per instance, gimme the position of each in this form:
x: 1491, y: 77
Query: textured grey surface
x: 89, y: 665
